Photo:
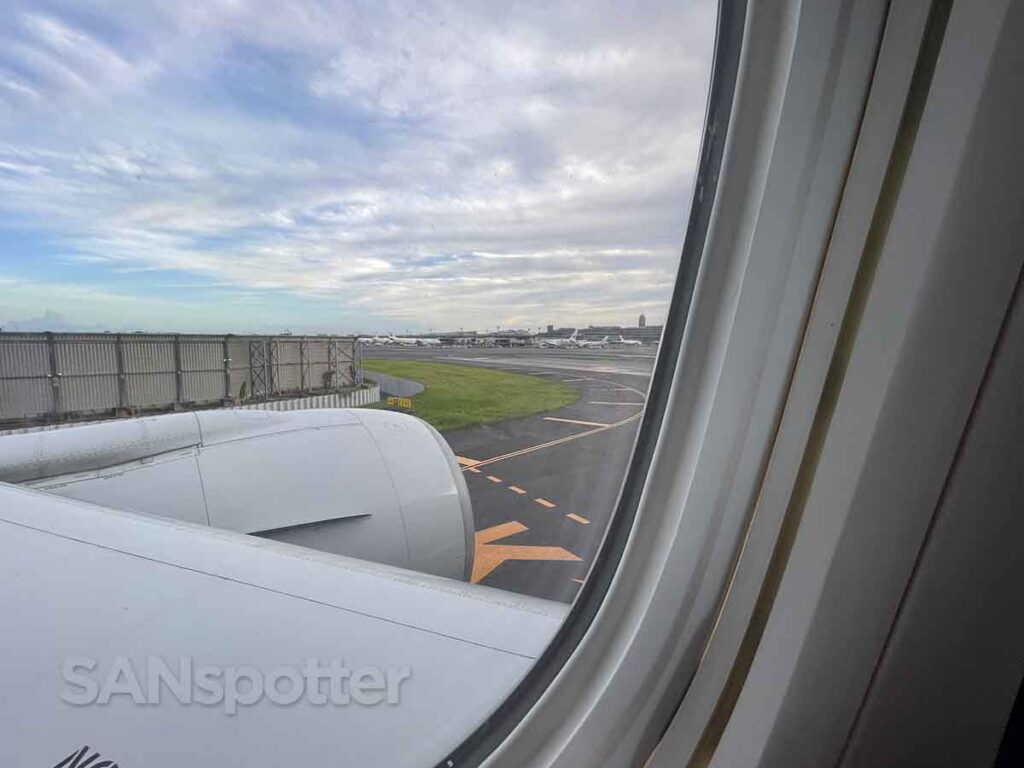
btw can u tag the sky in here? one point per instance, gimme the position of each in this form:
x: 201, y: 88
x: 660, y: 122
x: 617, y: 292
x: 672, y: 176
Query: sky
x: 232, y: 166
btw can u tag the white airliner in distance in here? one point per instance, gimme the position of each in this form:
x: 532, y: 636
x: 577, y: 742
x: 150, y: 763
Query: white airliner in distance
x: 402, y: 341
x: 584, y: 344
x: 413, y: 341
x: 629, y: 342
x: 376, y: 341
x: 569, y: 341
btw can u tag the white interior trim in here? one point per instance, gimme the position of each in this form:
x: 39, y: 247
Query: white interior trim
x: 904, y: 28
x: 914, y: 370
x: 801, y: 92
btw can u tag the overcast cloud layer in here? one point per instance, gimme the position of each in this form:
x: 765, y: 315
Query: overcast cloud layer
x: 249, y: 166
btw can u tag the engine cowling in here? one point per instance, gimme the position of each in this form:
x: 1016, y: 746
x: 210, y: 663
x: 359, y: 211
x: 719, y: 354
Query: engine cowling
x: 376, y: 485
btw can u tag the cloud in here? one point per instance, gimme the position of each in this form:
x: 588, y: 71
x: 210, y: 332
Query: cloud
x: 428, y: 164
x: 48, y: 321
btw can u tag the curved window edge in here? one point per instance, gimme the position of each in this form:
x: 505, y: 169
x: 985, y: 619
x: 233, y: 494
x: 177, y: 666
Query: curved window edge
x: 479, y: 745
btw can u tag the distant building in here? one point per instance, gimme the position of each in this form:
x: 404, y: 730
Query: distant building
x: 642, y: 322
x: 513, y: 337
x: 648, y: 334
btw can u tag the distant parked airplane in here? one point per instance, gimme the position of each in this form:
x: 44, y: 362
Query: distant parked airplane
x: 630, y: 342
x: 561, y: 343
x: 583, y: 343
x: 411, y: 341
x: 403, y: 341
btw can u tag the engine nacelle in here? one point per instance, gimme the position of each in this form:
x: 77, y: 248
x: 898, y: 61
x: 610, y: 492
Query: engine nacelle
x: 376, y: 485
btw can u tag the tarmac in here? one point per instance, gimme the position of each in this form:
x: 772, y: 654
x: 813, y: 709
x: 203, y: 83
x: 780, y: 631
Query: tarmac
x: 544, y: 487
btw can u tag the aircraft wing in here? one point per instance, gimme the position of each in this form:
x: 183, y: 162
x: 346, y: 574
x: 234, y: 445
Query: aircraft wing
x: 126, y: 593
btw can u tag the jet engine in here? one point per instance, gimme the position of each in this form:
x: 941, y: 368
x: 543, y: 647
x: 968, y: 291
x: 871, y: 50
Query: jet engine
x: 375, y: 485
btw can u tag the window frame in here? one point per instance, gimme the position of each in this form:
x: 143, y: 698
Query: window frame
x: 614, y: 676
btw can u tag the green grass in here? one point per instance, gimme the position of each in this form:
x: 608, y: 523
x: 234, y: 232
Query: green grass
x: 462, y: 396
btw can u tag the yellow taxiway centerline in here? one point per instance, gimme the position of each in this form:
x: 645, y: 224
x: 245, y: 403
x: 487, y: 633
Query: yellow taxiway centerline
x: 551, y: 443
x: 577, y: 421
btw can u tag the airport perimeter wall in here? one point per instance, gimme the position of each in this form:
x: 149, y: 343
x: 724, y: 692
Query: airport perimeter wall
x: 53, y: 377
x: 364, y: 395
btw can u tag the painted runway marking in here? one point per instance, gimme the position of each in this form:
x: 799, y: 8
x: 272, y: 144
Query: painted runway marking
x: 466, y: 462
x: 577, y: 421
x: 559, y: 441
x: 563, y: 367
x: 568, y: 380
x: 494, y: 479
x: 502, y: 531
x: 577, y: 519
x: 488, y: 556
x: 474, y: 470
x: 546, y: 503
x: 598, y: 402
x: 516, y: 489
x: 578, y: 581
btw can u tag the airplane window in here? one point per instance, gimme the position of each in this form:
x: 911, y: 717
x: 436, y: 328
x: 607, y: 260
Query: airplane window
x: 327, y: 331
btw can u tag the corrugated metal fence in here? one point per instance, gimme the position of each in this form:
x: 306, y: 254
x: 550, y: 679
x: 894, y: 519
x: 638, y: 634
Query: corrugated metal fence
x: 55, y: 376
x: 364, y: 395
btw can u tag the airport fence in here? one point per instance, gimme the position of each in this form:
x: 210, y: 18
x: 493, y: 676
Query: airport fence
x: 354, y: 398
x: 53, y: 377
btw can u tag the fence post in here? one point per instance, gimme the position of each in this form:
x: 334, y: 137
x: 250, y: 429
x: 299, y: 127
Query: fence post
x: 274, y: 374
x: 357, y: 354
x: 353, y: 370
x: 51, y: 349
x: 332, y: 363
x: 268, y: 369
x: 122, y: 384
x: 227, y: 369
x: 259, y: 371
x: 177, y: 371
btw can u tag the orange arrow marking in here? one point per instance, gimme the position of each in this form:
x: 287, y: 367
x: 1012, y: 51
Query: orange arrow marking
x: 488, y: 556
